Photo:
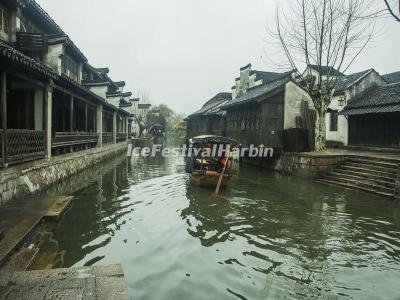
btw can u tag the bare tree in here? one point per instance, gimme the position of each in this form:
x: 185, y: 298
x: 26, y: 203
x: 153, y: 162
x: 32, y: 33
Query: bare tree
x: 323, y: 37
x: 393, y: 7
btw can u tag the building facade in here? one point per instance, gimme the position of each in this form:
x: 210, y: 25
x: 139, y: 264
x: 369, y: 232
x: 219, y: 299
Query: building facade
x: 272, y: 109
x: 52, y: 100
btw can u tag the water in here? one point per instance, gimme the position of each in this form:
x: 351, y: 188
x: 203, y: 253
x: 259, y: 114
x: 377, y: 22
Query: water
x: 268, y: 236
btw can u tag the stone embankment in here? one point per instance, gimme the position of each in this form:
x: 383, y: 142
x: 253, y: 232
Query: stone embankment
x: 30, y: 178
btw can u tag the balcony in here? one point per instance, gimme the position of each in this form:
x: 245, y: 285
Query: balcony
x: 108, y: 138
x: 32, y: 42
x: 121, y: 137
x: 22, y: 145
x: 74, y: 140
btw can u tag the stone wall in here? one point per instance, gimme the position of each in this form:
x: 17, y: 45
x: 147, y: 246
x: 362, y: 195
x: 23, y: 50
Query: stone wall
x: 306, y: 165
x: 30, y: 178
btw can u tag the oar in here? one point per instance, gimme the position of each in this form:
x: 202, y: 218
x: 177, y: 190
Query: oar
x: 217, y: 188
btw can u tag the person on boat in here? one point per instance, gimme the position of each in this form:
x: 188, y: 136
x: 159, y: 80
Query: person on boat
x: 221, y: 163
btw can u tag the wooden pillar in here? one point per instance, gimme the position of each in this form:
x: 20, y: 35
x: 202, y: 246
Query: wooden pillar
x: 114, y: 127
x: 86, y: 117
x: 99, y: 124
x: 48, y: 103
x: 4, y: 115
x: 71, y: 115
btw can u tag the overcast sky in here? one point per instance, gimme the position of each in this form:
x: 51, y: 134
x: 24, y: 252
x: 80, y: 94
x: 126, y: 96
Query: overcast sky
x: 183, y: 52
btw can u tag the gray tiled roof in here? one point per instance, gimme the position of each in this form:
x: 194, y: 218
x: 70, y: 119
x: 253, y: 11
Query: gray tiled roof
x: 392, y: 77
x: 378, y: 99
x: 268, y: 76
x: 344, y: 82
x: 213, y: 105
x: 254, y: 93
x: 15, y: 56
x: 327, y: 70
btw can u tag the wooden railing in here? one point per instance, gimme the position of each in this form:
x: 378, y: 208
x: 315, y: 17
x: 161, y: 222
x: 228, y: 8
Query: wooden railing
x: 108, y: 138
x: 121, y: 137
x: 65, y: 139
x: 22, y: 145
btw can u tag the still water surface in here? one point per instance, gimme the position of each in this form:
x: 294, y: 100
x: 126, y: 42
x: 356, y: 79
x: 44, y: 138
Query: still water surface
x: 268, y: 236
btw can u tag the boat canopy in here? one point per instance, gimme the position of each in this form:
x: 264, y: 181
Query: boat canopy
x: 213, y: 139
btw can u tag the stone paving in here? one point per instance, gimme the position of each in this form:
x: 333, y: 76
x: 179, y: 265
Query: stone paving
x: 18, y: 218
x: 102, y: 283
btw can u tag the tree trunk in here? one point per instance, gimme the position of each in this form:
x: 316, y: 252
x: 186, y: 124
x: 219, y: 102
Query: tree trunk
x: 320, y: 130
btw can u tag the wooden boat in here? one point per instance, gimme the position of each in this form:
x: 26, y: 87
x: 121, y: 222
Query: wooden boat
x: 211, y: 170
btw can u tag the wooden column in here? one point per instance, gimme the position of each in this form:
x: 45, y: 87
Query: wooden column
x: 4, y: 115
x: 99, y: 124
x: 86, y: 117
x: 115, y: 127
x: 48, y: 104
x: 71, y: 115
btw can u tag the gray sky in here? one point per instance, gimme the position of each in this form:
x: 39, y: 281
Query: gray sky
x: 183, y: 52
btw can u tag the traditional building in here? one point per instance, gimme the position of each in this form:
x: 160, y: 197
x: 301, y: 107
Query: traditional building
x: 265, y: 105
x: 210, y: 119
x: 52, y: 100
x: 374, y: 117
x: 347, y: 88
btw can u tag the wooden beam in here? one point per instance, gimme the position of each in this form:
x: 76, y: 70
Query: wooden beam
x: 26, y: 78
x: 75, y: 95
x: 3, y: 101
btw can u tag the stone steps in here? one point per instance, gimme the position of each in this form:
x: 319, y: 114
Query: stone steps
x: 367, y: 170
x: 369, y: 174
x: 358, y: 177
x: 355, y: 187
x: 382, y: 177
x: 388, y: 170
x: 362, y: 183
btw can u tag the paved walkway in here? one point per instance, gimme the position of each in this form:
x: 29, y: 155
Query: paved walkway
x: 349, y: 152
x: 100, y: 283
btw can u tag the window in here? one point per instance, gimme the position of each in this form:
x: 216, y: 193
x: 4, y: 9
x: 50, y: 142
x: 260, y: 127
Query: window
x: 4, y: 21
x: 334, y: 120
x: 70, y: 68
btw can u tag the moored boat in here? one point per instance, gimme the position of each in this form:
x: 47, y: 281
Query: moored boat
x: 211, y: 163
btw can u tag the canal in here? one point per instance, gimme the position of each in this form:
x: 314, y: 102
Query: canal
x: 268, y: 236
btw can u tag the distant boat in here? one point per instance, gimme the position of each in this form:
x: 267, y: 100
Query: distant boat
x: 209, y: 168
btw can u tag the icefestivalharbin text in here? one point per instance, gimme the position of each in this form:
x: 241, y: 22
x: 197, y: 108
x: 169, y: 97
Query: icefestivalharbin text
x: 216, y: 151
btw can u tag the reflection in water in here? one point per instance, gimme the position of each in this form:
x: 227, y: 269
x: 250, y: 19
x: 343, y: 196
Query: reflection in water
x: 268, y: 236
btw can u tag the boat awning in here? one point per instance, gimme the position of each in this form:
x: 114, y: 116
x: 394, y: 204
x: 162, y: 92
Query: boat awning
x: 213, y: 139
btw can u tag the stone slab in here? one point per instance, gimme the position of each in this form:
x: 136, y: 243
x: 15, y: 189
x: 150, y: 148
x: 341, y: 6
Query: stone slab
x: 57, y: 210
x: 101, y: 283
x: 20, y: 217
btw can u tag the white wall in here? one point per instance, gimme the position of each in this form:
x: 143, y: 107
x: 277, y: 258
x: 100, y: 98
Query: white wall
x: 341, y: 135
x: 99, y: 90
x: 294, y: 96
x: 53, y: 57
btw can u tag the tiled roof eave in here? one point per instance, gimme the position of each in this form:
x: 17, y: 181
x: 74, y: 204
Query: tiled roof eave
x: 388, y: 108
x: 11, y: 54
